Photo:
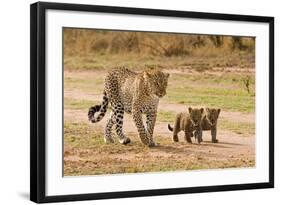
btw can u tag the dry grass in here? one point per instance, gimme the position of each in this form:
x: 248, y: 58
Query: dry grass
x: 86, y: 49
x: 79, y: 42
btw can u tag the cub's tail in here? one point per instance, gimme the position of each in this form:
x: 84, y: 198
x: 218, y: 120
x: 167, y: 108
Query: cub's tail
x: 170, y: 128
x: 101, y: 109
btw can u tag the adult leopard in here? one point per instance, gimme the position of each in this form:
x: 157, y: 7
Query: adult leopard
x: 134, y: 93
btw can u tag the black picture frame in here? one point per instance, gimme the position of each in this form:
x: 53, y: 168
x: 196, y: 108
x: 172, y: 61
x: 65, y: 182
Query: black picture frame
x: 38, y: 103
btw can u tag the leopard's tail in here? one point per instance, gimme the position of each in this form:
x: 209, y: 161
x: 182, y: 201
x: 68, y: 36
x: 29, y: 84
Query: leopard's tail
x: 99, y: 109
x: 170, y: 128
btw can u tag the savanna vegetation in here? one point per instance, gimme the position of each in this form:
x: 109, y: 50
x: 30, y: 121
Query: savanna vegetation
x: 211, y: 71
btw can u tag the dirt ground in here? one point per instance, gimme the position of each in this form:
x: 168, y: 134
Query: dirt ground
x: 233, y: 150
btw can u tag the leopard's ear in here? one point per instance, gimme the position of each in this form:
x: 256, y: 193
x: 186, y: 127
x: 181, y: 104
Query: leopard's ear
x: 219, y: 110
x: 189, y: 109
x: 167, y: 75
x: 207, y: 109
x: 201, y: 110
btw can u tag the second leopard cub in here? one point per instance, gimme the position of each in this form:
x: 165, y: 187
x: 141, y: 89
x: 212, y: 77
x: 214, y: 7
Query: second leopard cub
x: 209, y: 122
x: 188, y: 122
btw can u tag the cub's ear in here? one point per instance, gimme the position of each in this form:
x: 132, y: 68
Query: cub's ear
x: 201, y: 110
x: 189, y: 109
x: 219, y: 110
x: 207, y: 109
x: 167, y: 75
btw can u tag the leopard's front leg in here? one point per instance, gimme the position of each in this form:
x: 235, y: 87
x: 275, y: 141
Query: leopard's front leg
x: 199, y: 134
x: 214, y: 134
x: 137, y: 116
x: 150, y: 124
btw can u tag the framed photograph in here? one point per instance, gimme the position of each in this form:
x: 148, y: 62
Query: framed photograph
x: 129, y: 102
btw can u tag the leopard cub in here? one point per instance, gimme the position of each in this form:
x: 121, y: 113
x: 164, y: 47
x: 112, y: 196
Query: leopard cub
x: 209, y: 122
x: 188, y: 122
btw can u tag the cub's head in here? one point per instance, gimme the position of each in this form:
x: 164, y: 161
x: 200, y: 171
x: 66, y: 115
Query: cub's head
x: 157, y: 82
x: 212, y: 115
x: 195, y: 116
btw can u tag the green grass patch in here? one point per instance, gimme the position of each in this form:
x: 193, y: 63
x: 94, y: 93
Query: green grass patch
x: 241, y: 128
x: 227, y: 99
x: 225, y: 91
x: 70, y: 103
x: 86, y: 84
x: 165, y: 116
x: 230, y: 80
x: 81, y: 135
x: 199, y: 63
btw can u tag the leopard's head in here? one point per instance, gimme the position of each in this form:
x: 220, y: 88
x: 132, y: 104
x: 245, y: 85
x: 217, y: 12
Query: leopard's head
x: 157, y: 82
x: 195, y: 116
x: 212, y: 115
